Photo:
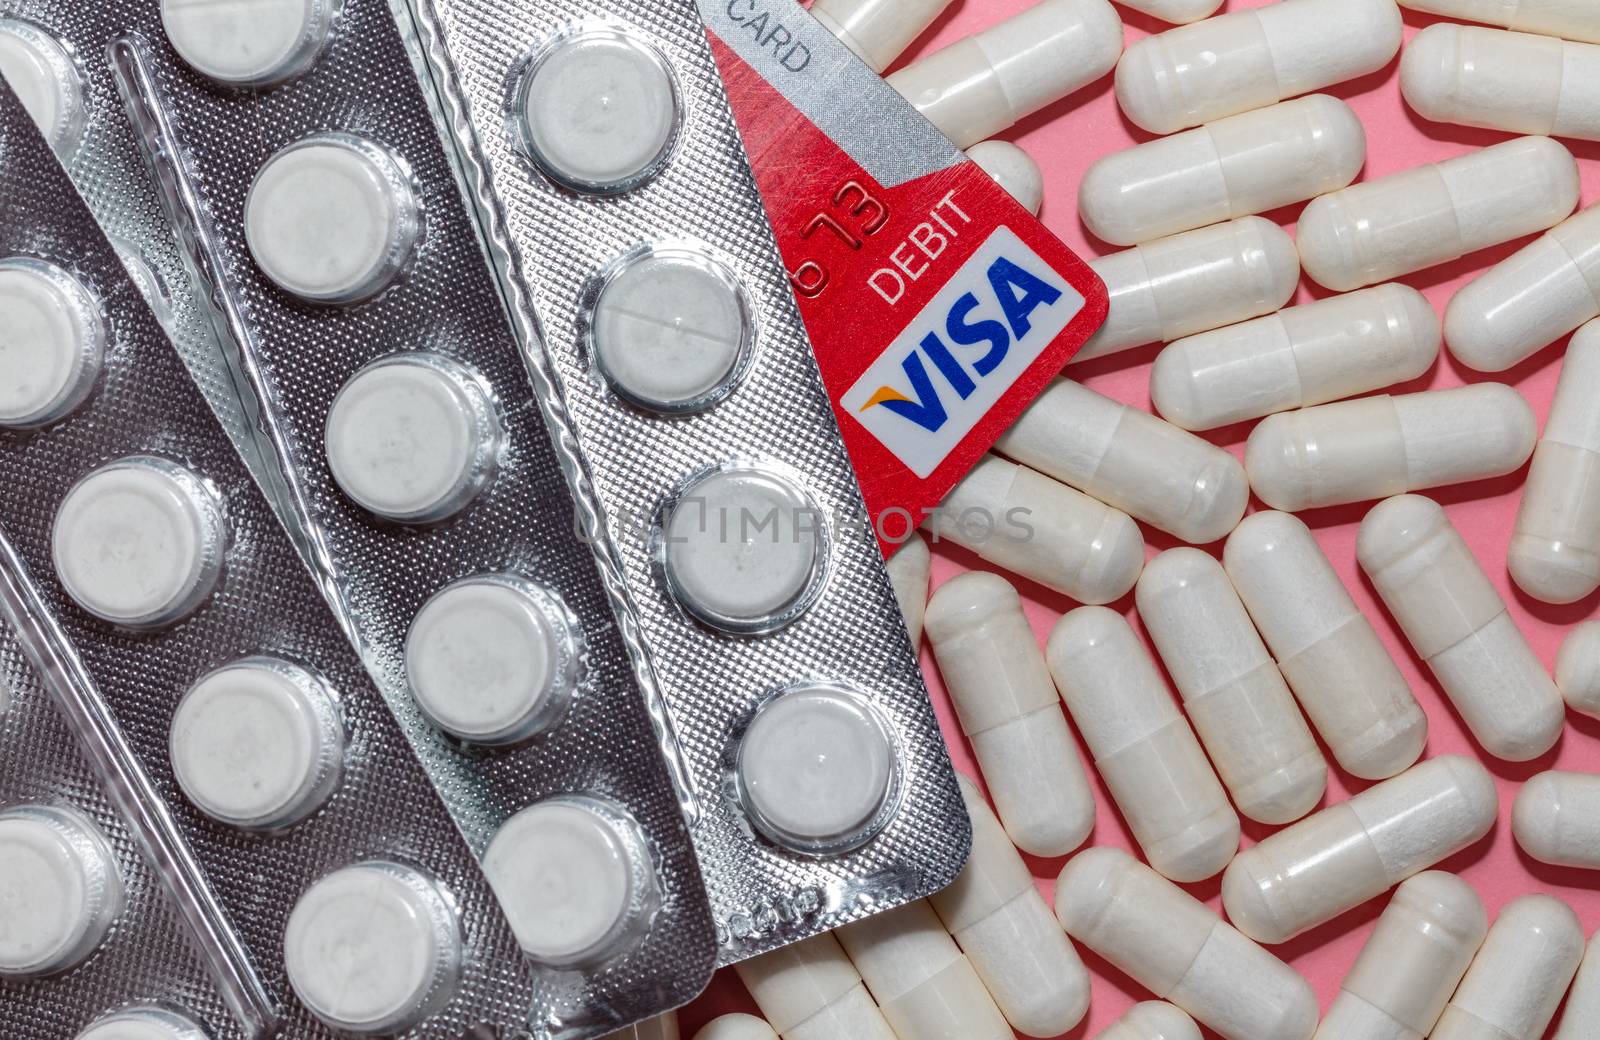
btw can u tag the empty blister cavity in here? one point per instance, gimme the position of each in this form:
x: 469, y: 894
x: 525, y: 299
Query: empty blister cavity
x: 54, y: 344
x: 144, y: 1023
x: 258, y: 744
x: 818, y: 770
x: 373, y: 948
x: 1519, y: 976
x: 60, y: 891
x: 810, y: 991
x: 140, y: 542
x: 598, y: 109
x: 333, y: 218
x: 878, y: 31
x: 494, y: 659
x: 249, y: 43
x: 1556, y: 819
x: 743, y: 548
x: 671, y: 329
x: 413, y: 438
x: 576, y: 880
x: 49, y: 82
x: 1516, y: 82
x: 1572, y: 19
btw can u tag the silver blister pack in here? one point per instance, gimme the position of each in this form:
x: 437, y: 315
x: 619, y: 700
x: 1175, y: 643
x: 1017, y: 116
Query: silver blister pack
x: 320, y: 878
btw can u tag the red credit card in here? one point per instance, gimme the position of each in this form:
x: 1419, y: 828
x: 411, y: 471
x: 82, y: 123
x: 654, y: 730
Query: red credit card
x: 938, y: 306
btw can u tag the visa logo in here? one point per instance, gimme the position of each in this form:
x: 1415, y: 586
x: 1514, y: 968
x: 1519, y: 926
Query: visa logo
x: 961, y: 354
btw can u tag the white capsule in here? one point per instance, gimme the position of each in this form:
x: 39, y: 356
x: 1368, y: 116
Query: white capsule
x: 1573, y: 19
x: 736, y: 1027
x: 926, y: 987
x: 663, y: 1028
x: 908, y: 574
x: 143, y: 1023
x: 61, y: 889
x: 1344, y: 855
x: 1041, y: 529
x: 1555, y: 553
x: 1231, y: 688
x: 49, y: 81
x: 1326, y: 648
x: 1152, y: 1020
x: 1297, y: 358
x: 1015, y: 943
x: 1516, y: 982
x: 1378, y: 230
x: 1411, y: 963
x: 1011, y: 168
x: 1249, y: 163
x: 1374, y: 447
x: 1581, y: 1019
x: 878, y: 31
x: 1193, y: 282
x: 1556, y: 819
x: 1143, y: 748
x: 1001, y: 688
x: 1131, y: 461
x: 1178, y: 12
x: 1578, y: 669
x: 254, y: 43
x: 974, y: 89
x: 810, y: 991
x: 1250, y: 59
x: 1179, y: 949
x: 1457, y: 623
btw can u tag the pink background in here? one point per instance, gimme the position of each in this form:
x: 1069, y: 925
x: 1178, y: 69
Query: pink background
x: 1065, y: 139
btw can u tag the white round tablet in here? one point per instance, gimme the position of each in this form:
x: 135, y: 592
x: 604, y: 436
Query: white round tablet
x: 373, y: 948
x: 248, y: 43
x: 48, y: 81
x: 258, y: 744
x: 493, y: 659
x: 413, y: 438
x: 671, y: 328
x: 816, y: 770
x: 600, y: 110
x: 59, y: 890
x: 574, y: 879
x: 143, y: 1023
x: 139, y: 542
x: 54, y: 342
x: 333, y: 218
x: 743, y: 549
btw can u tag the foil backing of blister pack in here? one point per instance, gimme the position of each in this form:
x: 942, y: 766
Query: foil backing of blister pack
x: 550, y: 244
x: 265, y: 604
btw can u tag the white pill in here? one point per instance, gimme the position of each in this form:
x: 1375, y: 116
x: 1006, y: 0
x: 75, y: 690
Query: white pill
x: 599, y: 110
x: 1499, y: 80
x: 1232, y: 690
x: 1013, y: 169
x: 664, y: 1027
x: 373, y: 948
x: 258, y: 744
x: 908, y: 574
x: 921, y: 980
x: 1457, y: 623
x: 1250, y: 59
x: 736, y: 1027
x: 1304, y: 875
x: 140, y: 542
x: 1556, y: 819
x: 810, y: 991
x: 743, y: 549
x: 974, y: 89
x: 494, y: 659
x: 1152, y: 1020
x: 671, y: 330
x: 248, y: 43
x: 1529, y: 300
x: 1297, y: 358
x: 48, y: 80
x: 54, y: 344
x: 1326, y: 648
x: 59, y: 890
x: 333, y: 218
x: 1131, y: 461
x: 143, y: 1023
x: 1374, y: 447
x: 1015, y: 943
x: 1143, y: 748
x: 1516, y: 982
x: 1193, y: 282
x: 1179, y: 949
x: 878, y: 31
x: 1411, y: 963
x: 1555, y: 553
x: 1041, y: 529
x: 575, y: 879
x: 413, y: 438
x: 1178, y: 12
x: 1573, y: 19
x: 1581, y: 1019
x: 1378, y: 230
x: 1008, y: 708
x: 817, y: 769
x: 1249, y: 163
x: 1578, y: 669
